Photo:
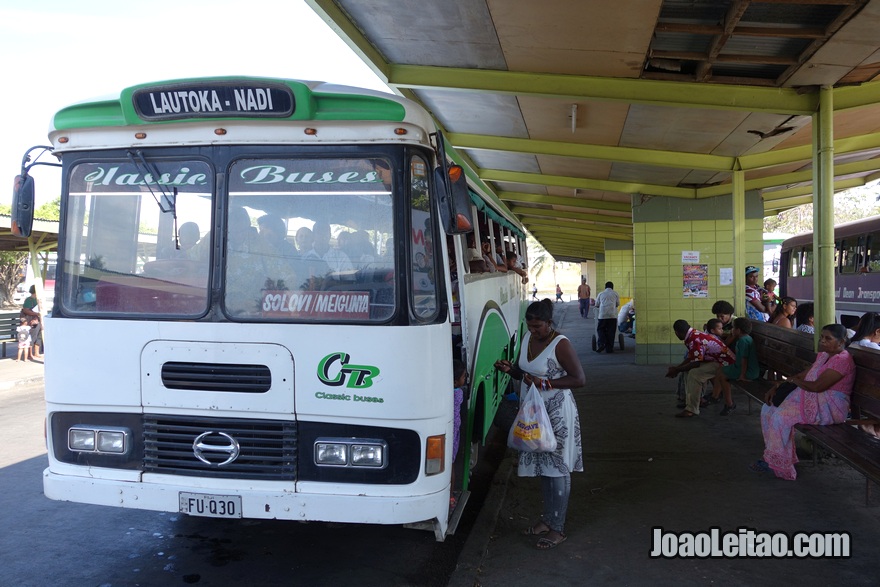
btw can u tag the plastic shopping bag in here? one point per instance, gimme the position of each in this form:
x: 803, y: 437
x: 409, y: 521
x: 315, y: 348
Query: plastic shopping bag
x: 532, y: 430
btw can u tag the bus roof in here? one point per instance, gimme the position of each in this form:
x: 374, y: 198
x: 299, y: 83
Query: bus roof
x: 870, y: 224
x: 239, y: 98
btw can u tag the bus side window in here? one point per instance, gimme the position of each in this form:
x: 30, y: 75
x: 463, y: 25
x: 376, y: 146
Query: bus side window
x: 873, y: 252
x: 850, y: 255
x: 422, y: 263
x: 808, y: 262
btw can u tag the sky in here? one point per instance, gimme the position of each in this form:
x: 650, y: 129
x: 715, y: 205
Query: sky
x: 54, y: 53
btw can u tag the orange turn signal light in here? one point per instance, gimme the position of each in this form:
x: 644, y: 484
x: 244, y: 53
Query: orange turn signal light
x: 435, y: 451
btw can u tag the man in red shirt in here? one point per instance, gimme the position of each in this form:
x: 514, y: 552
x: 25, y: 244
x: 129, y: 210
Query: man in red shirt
x: 706, y: 355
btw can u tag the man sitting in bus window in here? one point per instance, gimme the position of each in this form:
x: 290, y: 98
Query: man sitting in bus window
x: 278, y: 253
x: 188, y: 236
x: 474, y: 256
x: 243, y: 279
x: 339, y: 263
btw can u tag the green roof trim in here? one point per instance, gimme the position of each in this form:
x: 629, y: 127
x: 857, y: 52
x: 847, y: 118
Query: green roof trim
x: 88, y: 114
x: 309, y: 105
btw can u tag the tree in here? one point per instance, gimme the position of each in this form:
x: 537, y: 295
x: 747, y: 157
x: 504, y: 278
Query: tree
x: 12, y: 264
x: 849, y: 205
x: 539, y: 258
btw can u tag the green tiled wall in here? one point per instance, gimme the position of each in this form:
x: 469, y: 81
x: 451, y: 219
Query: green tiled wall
x: 660, y: 301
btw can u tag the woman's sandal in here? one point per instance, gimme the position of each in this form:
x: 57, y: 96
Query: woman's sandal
x: 759, y: 467
x: 546, y: 543
x: 536, y: 530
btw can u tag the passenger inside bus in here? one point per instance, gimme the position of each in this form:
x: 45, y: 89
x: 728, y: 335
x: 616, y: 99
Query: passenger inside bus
x: 188, y: 236
x: 277, y: 254
x: 339, y: 263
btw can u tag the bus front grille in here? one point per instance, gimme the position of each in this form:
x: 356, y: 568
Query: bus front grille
x: 266, y: 449
x: 217, y: 377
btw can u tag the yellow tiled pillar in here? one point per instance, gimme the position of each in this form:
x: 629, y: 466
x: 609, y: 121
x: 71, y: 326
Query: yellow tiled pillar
x: 669, y: 235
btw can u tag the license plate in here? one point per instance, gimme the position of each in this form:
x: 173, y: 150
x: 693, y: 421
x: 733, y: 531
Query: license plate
x: 211, y: 506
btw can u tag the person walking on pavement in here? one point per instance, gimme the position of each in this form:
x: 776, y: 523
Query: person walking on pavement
x: 606, y: 311
x: 584, y: 297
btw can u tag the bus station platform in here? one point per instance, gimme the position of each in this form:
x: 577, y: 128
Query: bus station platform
x: 645, y: 469
x: 15, y: 373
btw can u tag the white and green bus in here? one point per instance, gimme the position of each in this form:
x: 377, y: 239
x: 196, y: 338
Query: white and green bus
x: 254, y: 316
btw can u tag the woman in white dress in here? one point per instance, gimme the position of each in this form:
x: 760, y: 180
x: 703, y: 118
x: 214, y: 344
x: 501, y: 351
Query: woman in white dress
x: 548, y: 360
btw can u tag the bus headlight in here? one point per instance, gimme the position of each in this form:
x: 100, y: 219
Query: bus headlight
x: 367, y: 455
x: 98, y: 440
x: 351, y: 452
x: 331, y: 453
x: 81, y: 440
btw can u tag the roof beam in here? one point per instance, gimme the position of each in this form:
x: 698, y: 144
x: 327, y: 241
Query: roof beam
x: 742, y: 31
x: 583, y: 234
x: 603, y: 185
x: 790, y: 178
x: 633, y: 91
x: 573, y: 202
x: 804, y: 153
x: 598, y: 152
x: 598, y: 218
x: 578, y: 228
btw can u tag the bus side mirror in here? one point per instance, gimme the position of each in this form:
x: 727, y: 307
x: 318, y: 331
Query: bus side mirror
x: 23, y: 205
x: 455, y: 203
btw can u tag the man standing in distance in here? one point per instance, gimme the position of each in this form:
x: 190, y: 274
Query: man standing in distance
x: 606, y: 311
x: 584, y: 297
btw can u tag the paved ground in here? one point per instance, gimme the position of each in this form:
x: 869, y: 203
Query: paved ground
x: 14, y: 373
x: 645, y: 469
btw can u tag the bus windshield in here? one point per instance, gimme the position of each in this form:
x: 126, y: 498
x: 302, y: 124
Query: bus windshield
x: 128, y: 240
x: 310, y: 239
x: 301, y: 239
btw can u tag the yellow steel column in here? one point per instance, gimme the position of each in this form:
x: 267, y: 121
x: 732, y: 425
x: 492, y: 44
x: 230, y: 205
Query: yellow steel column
x: 739, y: 242
x: 823, y: 211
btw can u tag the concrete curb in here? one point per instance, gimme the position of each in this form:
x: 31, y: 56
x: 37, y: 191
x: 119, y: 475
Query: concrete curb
x: 467, y: 571
x: 23, y: 382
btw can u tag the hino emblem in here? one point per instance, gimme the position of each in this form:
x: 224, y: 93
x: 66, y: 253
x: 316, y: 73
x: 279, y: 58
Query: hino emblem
x: 217, y: 445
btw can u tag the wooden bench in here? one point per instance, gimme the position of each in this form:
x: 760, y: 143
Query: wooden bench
x: 8, y: 324
x: 789, y: 352
x: 780, y: 350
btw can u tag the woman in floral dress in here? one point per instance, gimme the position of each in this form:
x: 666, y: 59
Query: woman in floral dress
x: 548, y: 360
x: 821, y: 397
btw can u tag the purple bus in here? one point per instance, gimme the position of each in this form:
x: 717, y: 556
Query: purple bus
x: 856, y: 269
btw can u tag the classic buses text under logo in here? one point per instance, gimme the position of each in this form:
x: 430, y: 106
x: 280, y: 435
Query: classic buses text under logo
x: 352, y: 376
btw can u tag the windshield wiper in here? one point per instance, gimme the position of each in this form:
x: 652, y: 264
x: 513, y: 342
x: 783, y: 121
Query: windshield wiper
x: 168, y: 203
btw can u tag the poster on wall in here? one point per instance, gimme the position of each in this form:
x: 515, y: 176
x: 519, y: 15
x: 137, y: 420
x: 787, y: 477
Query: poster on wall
x: 695, y: 281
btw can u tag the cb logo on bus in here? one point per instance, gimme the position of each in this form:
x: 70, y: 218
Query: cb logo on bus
x: 352, y: 376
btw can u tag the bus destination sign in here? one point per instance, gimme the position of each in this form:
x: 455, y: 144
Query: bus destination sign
x: 214, y: 100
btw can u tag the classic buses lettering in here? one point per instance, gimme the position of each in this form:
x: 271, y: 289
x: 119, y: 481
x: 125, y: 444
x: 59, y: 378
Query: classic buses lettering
x: 361, y: 375
x: 336, y: 396
x: 348, y: 398
x: 269, y: 174
x: 103, y: 176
